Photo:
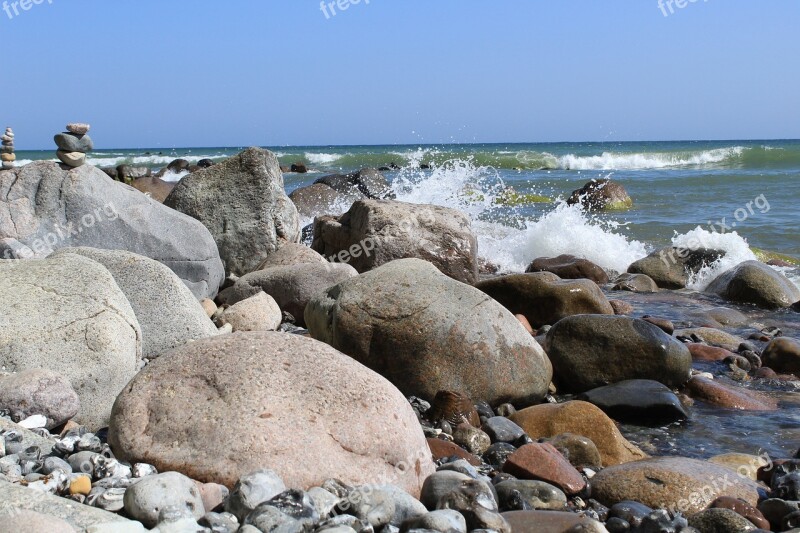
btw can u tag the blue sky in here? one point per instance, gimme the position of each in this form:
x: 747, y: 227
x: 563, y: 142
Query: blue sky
x: 152, y: 73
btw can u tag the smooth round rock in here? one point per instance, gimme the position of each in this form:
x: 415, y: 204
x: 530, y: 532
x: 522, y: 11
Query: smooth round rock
x: 25, y: 521
x: 443, y: 521
x: 538, y: 494
x: 501, y: 429
x: 39, y: 392
x: 783, y: 355
x: 70, y: 142
x: 257, y: 313
x: 720, y: 521
x: 641, y: 401
x: 252, y: 490
x: 78, y: 128
x: 145, y: 499
x: 753, y: 282
x: 71, y: 159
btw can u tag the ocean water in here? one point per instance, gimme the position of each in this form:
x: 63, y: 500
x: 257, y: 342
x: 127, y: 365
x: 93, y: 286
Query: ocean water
x: 732, y: 195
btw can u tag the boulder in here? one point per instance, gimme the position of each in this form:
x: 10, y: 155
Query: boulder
x: 544, y: 298
x: 156, y: 188
x: 580, y: 418
x: 670, y: 267
x: 257, y: 313
x: 638, y: 401
x: 167, y: 311
x: 243, y: 203
x: 601, y: 195
x: 375, y: 232
x: 67, y: 315
x: 635, y: 283
x: 292, y: 287
x: 47, y: 208
x: 368, y: 182
x: 729, y: 396
x: 291, y: 254
x: 223, y: 407
x: 570, y: 267
x: 426, y: 333
x: 320, y: 199
x: 753, y: 282
x: 23, y: 521
x: 678, y: 484
x: 783, y: 355
x: 39, y: 392
x: 590, y: 351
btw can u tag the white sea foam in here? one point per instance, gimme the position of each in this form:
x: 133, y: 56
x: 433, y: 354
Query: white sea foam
x: 321, y: 158
x: 646, y: 161
x: 174, y: 177
x: 734, y: 245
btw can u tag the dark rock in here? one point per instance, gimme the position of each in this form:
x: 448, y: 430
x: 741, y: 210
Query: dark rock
x: 601, y: 195
x: 621, y: 308
x: 570, y: 267
x: 783, y: 355
x: 501, y: 429
x: 729, y: 396
x: 544, y: 298
x: 590, y: 351
x: 637, y: 401
x: 498, y: 453
x: 743, y: 509
x: 776, y: 510
x: 155, y: 188
x: 205, y: 163
x: 442, y: 449
x: 178, y: 165
x: 670, y: 267
x: 720, y: 520
x: 536, y: 494
x: 299, y: 168
x: 666, y: 325
x: 631, y: 512
x: 70, y: 142
x: 753, y: 282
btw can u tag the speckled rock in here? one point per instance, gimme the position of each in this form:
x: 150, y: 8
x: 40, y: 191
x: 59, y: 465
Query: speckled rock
x: 302, y: 384
x: 290, y: 254
x: 39, y: 392
x: 729, y: 396
x: 145, y: 499
x: 405, y: 320
x: 753, y: 282
x: 257, y: 313
x: 720, y: 521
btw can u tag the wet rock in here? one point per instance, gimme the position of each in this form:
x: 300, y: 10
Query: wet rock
x: 783, y: 355
x: 473, y: 439
x: 257, y: 313
x: 720, y: 521
x: 711, y: 336
x: 292, y: 287
x: 70, y: 317
x: 637, y: 401
x: 635, y: 283
x: 165, y: 308
x: 581, y: 418
x: 498, y: 453
x: 291, y: 254
x: 442, y: 449
x: 633, y: 513
x: 580, y: 451
x: 670, y: 267
x: 405, y: 320
x: 776, y: 510
x: 729, y: 396
x: 601, y: 195
x: 39, y: 392
x: 592, y: 351
x: 704, y: 352
x: 543, y: 462
x: 252, y: 490
x: 544, y: 298
x: 742, y: 509
x: 753, y: 282
x: 243, y: 204
x: 320, y: 199
x: 440, y: 485
x: 570, y: 267
x: 621, y: 308
x: 662, y: 323
x: 375, y: 232
x: 318, y: 387
x: 675, y: 483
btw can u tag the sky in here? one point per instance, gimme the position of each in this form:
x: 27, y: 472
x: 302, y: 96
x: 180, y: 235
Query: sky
x: 153, y: 73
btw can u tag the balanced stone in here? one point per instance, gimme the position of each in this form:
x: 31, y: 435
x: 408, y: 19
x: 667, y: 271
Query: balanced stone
x: 78, y: 128
x: 72, y: 159
x: 70, y: 142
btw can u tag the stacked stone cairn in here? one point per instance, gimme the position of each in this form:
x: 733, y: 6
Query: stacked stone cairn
x: 74, y: 144
x: 7, y: 151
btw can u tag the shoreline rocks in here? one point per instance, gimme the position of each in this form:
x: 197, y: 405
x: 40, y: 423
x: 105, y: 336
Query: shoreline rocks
x: 753, y: 282
x: 601, y: 195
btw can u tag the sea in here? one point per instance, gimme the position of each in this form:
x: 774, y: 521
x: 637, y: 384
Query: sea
x: 737, y: 196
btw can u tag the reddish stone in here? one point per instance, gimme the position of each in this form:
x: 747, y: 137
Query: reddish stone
x: 765, y: 372
x: 703, y: 352
x: 742, y: 508
x: 525, y: 323
x: 441, y: 449
x: 544, y: 462
x: 727, y: 396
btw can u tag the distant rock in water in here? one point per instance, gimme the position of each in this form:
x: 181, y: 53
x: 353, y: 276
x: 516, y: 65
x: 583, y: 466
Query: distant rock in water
x: 601, y: 195
x: 45, y: 207
x: 243, y: 203
x: 335, y: 193
x: 156, y: 188
x: 299, y: 168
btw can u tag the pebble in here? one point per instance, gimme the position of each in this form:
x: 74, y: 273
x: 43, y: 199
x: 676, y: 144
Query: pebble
x: 473, y: 439
x: 145, y: 499
x: 80, y: 484
x: 252, y: 490
x: 537, y: 494
x: 444, y: 521
x: 501, y: 429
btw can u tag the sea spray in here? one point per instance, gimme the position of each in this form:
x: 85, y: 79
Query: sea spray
x: 735, y: 247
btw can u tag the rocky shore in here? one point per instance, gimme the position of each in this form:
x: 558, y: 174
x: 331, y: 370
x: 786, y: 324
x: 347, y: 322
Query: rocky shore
x: 181, y: 362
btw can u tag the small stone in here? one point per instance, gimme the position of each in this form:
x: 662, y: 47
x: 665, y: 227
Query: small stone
x: 537, y: 494
x: 209, y: 307
x: 292, y: 509
x: 8, y: 158
x: 444, y: 521
x: 473, y: 439
x: 220, y: 522
x: 145, y: 499
x: 78, y: 128
x: 544, y: 463
x: 742, y: 509
x: 720, y: 521
x: 440, y: 485
x: 442, y: 449
x: 213, y: 495
x: 72, y: 159
x: 80, y: 484
x: 501, y: 429
x: 252, y: 490
x: 580, y: 451
x: 621, y: 307
x: 324, y: 501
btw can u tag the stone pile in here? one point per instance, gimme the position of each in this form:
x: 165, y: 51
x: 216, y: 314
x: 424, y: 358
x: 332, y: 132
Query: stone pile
x: 7, y: 151
x: 74, y: 144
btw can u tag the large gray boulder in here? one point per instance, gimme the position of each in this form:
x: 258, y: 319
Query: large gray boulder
x: 220, y: 408
x: 426, y: 332
x: 590, y: 351
x: 68, y: 315
x: 44, y: 207
x: 292, y: 287
x: 375, y: 232
x: 167, y: 311
x: 243, y: 203
x: 753, y: 282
